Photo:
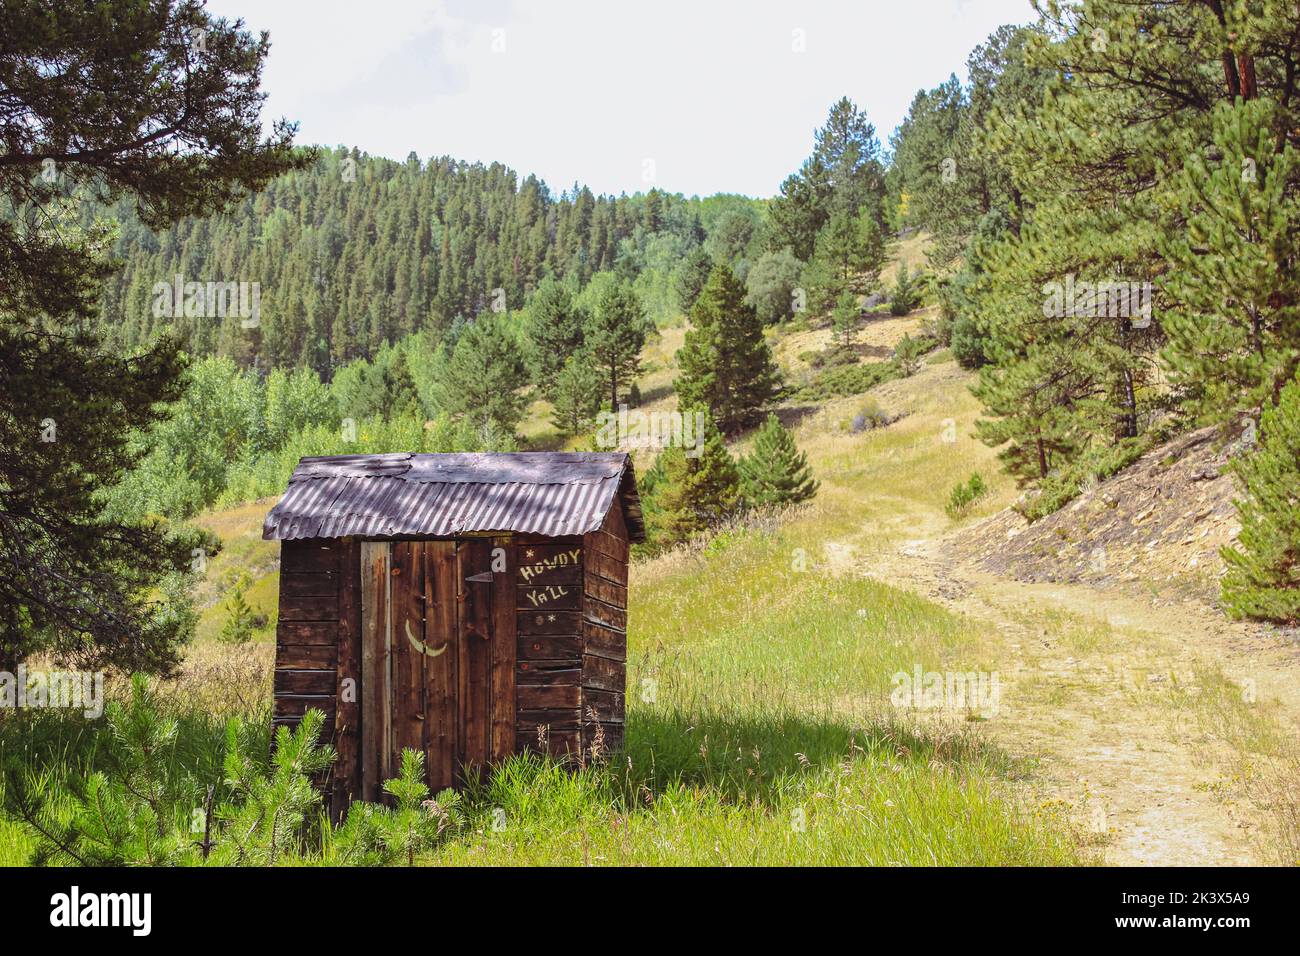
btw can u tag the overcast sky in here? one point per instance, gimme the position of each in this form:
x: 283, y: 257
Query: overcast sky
x: 694, y: 97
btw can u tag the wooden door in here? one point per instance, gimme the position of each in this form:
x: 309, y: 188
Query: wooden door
x: 437, y: 662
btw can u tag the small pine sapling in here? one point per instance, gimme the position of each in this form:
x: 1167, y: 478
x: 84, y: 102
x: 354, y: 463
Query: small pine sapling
x: 906, y: 295
x: 776, y: 472
x: 964, y: 494
x: 241, y: 620
x: 268, y: 813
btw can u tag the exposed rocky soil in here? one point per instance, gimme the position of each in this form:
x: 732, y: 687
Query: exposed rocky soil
x: 1156, y: 527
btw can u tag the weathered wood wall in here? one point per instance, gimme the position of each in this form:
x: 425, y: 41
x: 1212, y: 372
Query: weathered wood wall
x: 548, y: 673
x: 316, y: 627
x: 604, y: 632
x: 552, y: 678
x: 307, y: 635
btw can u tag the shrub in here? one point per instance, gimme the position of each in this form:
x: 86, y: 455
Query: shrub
x: 162, y: 788
x: 833, y: 356
x: 1263, y: 579
x: 964, y: 494
x: 1061, y: 487
x: 906, y: 294
x: 871, y: 415
x: 843, y: 380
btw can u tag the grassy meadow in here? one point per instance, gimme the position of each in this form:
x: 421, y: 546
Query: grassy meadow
x: 759, y: 724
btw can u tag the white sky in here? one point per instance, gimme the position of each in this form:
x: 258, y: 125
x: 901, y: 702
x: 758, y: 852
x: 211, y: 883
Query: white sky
x: 706, y: 95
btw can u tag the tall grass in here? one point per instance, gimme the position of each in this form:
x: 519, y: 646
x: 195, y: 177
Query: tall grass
x: 759, y: 732
x: 759, y: 728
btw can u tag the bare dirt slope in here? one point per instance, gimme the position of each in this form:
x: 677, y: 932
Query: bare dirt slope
x: 1156, y: 527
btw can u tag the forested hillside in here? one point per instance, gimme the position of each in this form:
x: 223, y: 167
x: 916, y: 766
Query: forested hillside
x: 1113, y: 202
x: 356, y: 250
x: 427, y: 305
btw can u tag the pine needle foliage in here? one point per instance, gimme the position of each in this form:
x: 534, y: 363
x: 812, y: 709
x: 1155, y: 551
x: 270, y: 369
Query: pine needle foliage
x: 694, y: 493
x: 726, y: 364
x: 776, y: 472
x: 1263, y: 579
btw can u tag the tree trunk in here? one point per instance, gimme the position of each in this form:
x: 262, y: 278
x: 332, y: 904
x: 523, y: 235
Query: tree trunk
x: 1128, y: 421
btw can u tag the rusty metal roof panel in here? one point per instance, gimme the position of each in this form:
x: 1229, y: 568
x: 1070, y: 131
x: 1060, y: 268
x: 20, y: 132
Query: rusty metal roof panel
x: 443, y: 495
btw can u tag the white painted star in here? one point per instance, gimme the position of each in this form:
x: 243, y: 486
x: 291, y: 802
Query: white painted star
x: 550, y: 617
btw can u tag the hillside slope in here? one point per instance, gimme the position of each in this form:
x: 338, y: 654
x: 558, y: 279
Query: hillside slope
x: 1159, y: 525
x: 1130, y: 706
x: 1168, y: 731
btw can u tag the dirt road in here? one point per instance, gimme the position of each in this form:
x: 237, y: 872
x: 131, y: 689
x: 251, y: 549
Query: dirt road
x: 1117, y: 700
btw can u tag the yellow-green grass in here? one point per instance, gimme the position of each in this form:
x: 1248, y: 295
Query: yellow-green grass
x: 760, y: 731
x: 1265, y: 766
x: 759, y: 724
x: 242, y: 550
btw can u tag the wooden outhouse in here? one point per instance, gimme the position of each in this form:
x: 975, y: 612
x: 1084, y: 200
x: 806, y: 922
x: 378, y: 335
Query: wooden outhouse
x: 466, y: 605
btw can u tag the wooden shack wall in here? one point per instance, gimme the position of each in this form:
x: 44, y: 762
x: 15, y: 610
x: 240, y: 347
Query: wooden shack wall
x: 548, y: 622
x: 568, y: 598
x: 315, y: 638
x: 604, y: 634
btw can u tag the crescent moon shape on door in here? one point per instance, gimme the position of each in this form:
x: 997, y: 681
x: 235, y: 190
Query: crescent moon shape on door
x: 420, y: 645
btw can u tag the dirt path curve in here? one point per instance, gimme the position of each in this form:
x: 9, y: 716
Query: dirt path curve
x: 1091, y: 689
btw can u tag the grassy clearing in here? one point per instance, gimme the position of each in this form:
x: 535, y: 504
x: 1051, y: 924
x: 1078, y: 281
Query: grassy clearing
x: 759, y: 732
x: 759, y: 724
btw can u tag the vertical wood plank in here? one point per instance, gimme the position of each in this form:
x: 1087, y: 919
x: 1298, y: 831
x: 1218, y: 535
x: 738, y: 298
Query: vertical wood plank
x: 386, y: 769
x: 604, y: 674
x: 374, y: 573
x: 347, y: 779
x: 405, y: 575
x: 441, y: 675
x: 475, y: 639
x: 503, y: 650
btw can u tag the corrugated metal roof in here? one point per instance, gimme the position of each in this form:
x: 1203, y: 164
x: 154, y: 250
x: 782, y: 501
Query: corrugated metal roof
x: 395, y: 495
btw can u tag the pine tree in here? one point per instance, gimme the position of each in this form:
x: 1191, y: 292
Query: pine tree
x: 844, y: 320
x: 776, y: 472
x: 853, y: 251
x: 726, y: 364
x: 402, y: 397
x: 908, y: 353
x: 555, y: 328
x: 615, y: 333
x: 695, y: 493
x: 179, y: 137
x: 1263, y: 576
x: 1234, y: 324
x: 481, y: 379
x: 241, y: 619
x: 906, y: 294
x: 577, y: 395
x: 692, y: 273
x: 797, y: 215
